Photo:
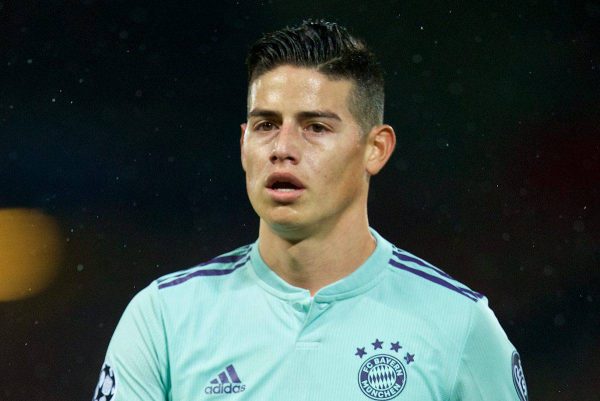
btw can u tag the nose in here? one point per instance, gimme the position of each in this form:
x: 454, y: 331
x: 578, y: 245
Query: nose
x: 285, y: 145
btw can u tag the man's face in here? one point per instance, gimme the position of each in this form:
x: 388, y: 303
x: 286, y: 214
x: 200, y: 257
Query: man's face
x: 302, y: 152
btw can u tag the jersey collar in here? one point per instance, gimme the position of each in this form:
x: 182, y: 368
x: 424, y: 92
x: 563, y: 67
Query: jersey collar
x: 359, y: 281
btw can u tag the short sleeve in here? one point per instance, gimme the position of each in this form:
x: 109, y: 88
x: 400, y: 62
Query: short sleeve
x: 489, y: 368
x: 136, y: 364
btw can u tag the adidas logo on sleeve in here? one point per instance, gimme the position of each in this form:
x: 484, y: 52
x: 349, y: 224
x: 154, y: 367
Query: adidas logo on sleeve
x: 226, y: 382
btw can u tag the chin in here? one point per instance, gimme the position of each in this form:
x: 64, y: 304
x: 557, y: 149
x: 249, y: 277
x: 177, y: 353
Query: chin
x: 284, y: 223
x: 289, y: 232
x: 285, y: 214
x: 290, y: 227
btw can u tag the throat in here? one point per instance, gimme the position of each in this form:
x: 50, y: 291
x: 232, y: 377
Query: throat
x: 314, y: 263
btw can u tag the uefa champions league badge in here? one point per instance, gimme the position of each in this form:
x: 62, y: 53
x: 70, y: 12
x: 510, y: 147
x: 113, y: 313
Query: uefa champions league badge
x: 519, y: 377
x: 382, y: 376
x: 105, y: 390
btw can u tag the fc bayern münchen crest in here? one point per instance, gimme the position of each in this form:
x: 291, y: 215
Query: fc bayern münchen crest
x: 382, y: 376
x: 106, y: 384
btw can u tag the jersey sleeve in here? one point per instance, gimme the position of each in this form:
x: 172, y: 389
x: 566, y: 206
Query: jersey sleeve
x: 489, y: 368
x: 136, y: 364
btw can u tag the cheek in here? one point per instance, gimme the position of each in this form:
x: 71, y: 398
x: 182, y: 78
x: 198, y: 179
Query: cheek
x: 345, y: 164
x: 251, y: 167
x: 351, y: 171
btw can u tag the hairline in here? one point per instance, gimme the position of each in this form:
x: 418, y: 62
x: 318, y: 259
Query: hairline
x: 354, y: 100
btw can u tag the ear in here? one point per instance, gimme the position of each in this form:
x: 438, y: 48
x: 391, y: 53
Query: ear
x: 243, y: 157
x: 381, y: 142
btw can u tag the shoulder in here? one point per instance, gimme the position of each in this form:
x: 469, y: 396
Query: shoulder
x: 178, y: 293
x: 428, y: 279
x: 454, y: 311
x: 177, y: 284
x: 431, y: 296
x: 222, y: 265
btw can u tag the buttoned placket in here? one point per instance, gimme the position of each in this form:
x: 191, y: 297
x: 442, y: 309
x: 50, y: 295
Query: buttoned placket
x: 311, y: 309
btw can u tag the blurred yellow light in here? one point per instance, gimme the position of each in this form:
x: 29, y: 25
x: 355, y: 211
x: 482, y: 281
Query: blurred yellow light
x: 31, y: 249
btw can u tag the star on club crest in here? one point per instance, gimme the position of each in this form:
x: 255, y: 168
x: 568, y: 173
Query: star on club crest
x: 360, y: 352
x: 382, y: 376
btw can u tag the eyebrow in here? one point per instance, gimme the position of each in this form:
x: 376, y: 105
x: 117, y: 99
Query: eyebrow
x: 263, y: 113
x: 303, y: 115
x: 318, y: 113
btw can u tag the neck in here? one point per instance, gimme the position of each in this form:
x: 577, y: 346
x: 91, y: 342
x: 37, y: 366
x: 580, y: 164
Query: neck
x: 319, y: 259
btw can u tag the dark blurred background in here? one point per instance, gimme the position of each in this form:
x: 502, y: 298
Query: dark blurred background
x: 119, y: 124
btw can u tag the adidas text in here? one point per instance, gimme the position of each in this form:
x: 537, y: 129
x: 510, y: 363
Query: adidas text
x: 225, y: 388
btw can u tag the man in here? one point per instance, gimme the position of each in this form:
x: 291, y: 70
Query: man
x: 321, y: 307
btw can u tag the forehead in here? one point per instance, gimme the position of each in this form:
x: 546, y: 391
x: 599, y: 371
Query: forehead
x: 298, y: 88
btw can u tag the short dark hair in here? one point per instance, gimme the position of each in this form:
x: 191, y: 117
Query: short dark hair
x: 331, y: 50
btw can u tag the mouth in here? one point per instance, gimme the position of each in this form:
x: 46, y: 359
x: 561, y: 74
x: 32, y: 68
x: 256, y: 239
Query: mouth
x: 284, y: 182
x: 284, y: 187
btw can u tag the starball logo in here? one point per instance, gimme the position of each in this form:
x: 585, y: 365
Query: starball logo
x: 519, y: 377
x: 226, y: 382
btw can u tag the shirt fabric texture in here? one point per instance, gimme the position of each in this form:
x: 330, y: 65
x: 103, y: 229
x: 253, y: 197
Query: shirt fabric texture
x: 397, y: 328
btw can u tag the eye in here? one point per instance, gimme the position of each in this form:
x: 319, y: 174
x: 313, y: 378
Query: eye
x: 264, y: 126
x: 317, y: 128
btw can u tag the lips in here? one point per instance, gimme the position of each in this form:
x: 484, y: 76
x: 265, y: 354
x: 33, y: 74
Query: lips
x: 284, y: 187
x: 284, y: 181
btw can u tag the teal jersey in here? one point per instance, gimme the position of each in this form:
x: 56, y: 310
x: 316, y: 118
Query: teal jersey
x: 397, y: 328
